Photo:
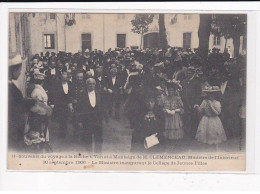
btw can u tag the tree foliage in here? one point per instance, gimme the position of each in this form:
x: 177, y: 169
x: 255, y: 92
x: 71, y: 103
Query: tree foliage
x: 230, y: 26
x: 141, y: 22
x: 221, y: 26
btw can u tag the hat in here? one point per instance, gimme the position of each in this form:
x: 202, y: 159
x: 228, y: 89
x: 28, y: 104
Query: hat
x: 113, y: 70
x: 173, y: 84
x: 191, y: 68
x: 38, y: 66
x: 15, y: 60
x: 211, y: 89
x: 159, y: 65
x: 38, y: 75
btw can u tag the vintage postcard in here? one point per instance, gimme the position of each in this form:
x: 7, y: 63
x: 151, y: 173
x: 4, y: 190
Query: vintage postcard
x: 127, y: 91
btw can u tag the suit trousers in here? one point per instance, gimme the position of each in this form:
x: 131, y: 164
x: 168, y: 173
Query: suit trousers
x: 114, y: 103
x: 93, y: 135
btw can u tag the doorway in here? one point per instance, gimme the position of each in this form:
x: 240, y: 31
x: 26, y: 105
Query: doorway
x: 152, y: 40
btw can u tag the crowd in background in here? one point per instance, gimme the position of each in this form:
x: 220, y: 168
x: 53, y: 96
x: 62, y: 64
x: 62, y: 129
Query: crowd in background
x: 168, y: 94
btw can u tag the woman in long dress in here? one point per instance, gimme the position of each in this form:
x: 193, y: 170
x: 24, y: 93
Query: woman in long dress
x: 38, y: 134
x: 210, y: 128
x: 173, y: 109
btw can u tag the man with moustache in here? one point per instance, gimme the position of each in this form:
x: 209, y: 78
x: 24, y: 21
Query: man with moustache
x: 90, y: 111
x: 78, y: 90
x: 63, y: 102
x: 114, y: 86
x: 191, y: 96
x: 50, y: 83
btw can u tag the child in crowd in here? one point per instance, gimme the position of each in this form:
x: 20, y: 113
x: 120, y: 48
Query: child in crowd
x: 210, y: 128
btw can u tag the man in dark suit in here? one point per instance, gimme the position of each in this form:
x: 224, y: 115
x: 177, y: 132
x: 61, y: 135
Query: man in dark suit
x: 101, y: 84
x: 17, y: 106
x: 91, y: 117
x: 191, y: 96
x: 63, y: 102
x: 78, y: 90
x: 114, y: 88
x: 51, y: 82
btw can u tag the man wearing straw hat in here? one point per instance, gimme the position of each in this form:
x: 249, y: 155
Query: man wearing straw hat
x: 17, y: 105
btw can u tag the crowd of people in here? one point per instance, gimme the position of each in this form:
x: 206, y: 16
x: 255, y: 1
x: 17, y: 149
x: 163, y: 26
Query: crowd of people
x: 165, y: 95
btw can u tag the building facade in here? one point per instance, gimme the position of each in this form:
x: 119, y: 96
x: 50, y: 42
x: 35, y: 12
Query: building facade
x: 52, y: 32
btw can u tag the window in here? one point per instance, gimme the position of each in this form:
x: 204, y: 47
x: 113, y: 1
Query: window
x: 187, y: 17
x: 49, y: 41
x: 216, y: 40
x: 86, y: 41
x: 186, y: 40
x: 52, y: 16
x: 86, y: 16
x: 121, y: 16
x: 121, y: 40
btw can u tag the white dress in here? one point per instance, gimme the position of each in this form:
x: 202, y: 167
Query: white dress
x: 210, y: 128
x: 40, y: 94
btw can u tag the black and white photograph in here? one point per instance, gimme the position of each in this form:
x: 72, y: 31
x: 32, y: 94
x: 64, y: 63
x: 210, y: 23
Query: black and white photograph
x: 156, y: 84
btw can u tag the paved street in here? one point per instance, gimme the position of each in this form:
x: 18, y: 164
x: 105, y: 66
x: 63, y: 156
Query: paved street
x: 117, y: 139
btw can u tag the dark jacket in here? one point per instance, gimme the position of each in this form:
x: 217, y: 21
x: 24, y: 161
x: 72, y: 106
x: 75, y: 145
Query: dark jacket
x: 191, y: 93
x: 61, y: 99
x: 17, y: 106
x: 89, y: 116
x: 100, y: 85
x: 116, y: 87
x: 50, y: 86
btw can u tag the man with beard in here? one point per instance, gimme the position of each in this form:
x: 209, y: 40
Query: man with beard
x: 59, y: 67
x: 45, y: 65
x: 191, y: 96
x: 51, y: 82
x: 77, y: 91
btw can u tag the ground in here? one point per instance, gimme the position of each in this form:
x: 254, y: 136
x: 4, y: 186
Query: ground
x: 117, y: 139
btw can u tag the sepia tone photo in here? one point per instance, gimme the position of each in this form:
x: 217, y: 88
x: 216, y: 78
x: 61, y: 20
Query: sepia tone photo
x: 127, y: 91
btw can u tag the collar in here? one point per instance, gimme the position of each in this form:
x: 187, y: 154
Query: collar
x: 92, y: 92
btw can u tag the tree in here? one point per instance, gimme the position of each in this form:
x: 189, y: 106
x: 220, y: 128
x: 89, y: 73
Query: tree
x: 238, y: 24
x: 221, y: 27
x: 204, y: 33
x: 162, y: 32
x: 141, y: 24
x: 230, y: 26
